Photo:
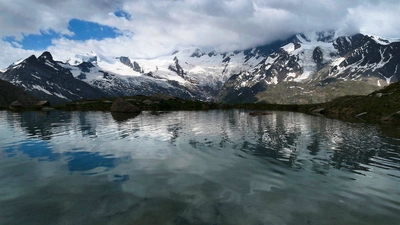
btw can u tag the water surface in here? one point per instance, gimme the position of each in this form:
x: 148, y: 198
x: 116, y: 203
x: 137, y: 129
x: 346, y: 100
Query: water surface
x: 209, y: 167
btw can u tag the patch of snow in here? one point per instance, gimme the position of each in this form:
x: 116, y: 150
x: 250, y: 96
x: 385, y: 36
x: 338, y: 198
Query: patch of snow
x: 290, y: 76
x: 289, y: 47
x: 79, y: 58
x: 51, y: 65
x: 60, y: 96
x: 337, y: 61
x: 35, y: 76
x: 383, y: 41
x: 275, y: 80
x: 388, y: 79
x: 16, y: 63
x: 306, y: 74
x: 37, y: 87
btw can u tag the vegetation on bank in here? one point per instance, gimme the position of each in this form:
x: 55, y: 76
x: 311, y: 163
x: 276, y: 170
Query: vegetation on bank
x: 382, y: 105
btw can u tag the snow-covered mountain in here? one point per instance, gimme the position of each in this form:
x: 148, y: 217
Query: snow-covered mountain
x: 188, y: 73
x: 307, y: 68
x: 44, y: 78
x: 316, y: 68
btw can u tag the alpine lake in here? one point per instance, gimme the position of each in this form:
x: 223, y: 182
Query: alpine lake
x: 196, y: 167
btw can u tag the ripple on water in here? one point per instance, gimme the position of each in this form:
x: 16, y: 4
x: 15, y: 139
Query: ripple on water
x: 211, y: 167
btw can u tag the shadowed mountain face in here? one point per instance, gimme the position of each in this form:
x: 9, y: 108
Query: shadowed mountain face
x: 45, y: 79
x: 10, y: 93
x: 310, y: 68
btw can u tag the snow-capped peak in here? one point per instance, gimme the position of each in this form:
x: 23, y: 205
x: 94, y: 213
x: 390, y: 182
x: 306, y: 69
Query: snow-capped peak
x: 15, y: 63
x: 383, y: 41
x: 188, y: 52
x: 80, y: 58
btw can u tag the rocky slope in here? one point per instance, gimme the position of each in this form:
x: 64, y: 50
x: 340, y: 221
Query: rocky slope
x: 10, y: 93
x: 382, y: 105
x: 45, y: 79
x: 317, y: 68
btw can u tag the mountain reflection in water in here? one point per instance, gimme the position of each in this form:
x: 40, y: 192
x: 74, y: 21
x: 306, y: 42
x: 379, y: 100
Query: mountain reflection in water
x: 207, y: 167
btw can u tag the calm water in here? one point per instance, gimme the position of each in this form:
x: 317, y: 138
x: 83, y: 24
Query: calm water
x: 216, y: 167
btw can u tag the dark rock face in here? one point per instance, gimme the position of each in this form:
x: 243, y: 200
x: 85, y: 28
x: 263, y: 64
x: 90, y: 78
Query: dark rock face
x: 135, y: 66
x: 85, y: 66
x: 45, y: 79
x: 318, y: 57
x: 177, y: 68
x: 122, y: 106
x: 10, y: 93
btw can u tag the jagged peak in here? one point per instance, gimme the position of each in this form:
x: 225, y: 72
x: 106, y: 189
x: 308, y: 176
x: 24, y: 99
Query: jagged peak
x: 21, y: 61
x: 197, y: 53
x: 382, y: 40
x: 45, y: 56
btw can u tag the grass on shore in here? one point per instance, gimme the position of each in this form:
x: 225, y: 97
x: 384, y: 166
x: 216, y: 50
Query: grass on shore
x: 382, y: 105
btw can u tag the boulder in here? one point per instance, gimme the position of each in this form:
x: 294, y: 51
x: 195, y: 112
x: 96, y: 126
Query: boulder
x: 120, y: 105
x: 318, y: 111
x: 16, y: 105
x: 43, y: 103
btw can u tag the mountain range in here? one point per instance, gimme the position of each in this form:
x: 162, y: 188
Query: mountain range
x: 305, y: 68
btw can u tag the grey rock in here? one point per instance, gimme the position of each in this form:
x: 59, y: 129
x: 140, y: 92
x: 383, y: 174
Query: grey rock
x: 43, y: 103
x: 16, y: 105
x: 318, y: 111
x: 120, y: 105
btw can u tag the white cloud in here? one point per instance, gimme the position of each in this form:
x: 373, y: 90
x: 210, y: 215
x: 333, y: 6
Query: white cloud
x: 159, y: 27
x: 10, y: 54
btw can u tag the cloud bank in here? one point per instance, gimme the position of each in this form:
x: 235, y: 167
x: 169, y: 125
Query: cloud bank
x: 151, y: 28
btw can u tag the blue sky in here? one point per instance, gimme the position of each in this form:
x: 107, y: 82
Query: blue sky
x: 82, y: 30
x: 147, y: 29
